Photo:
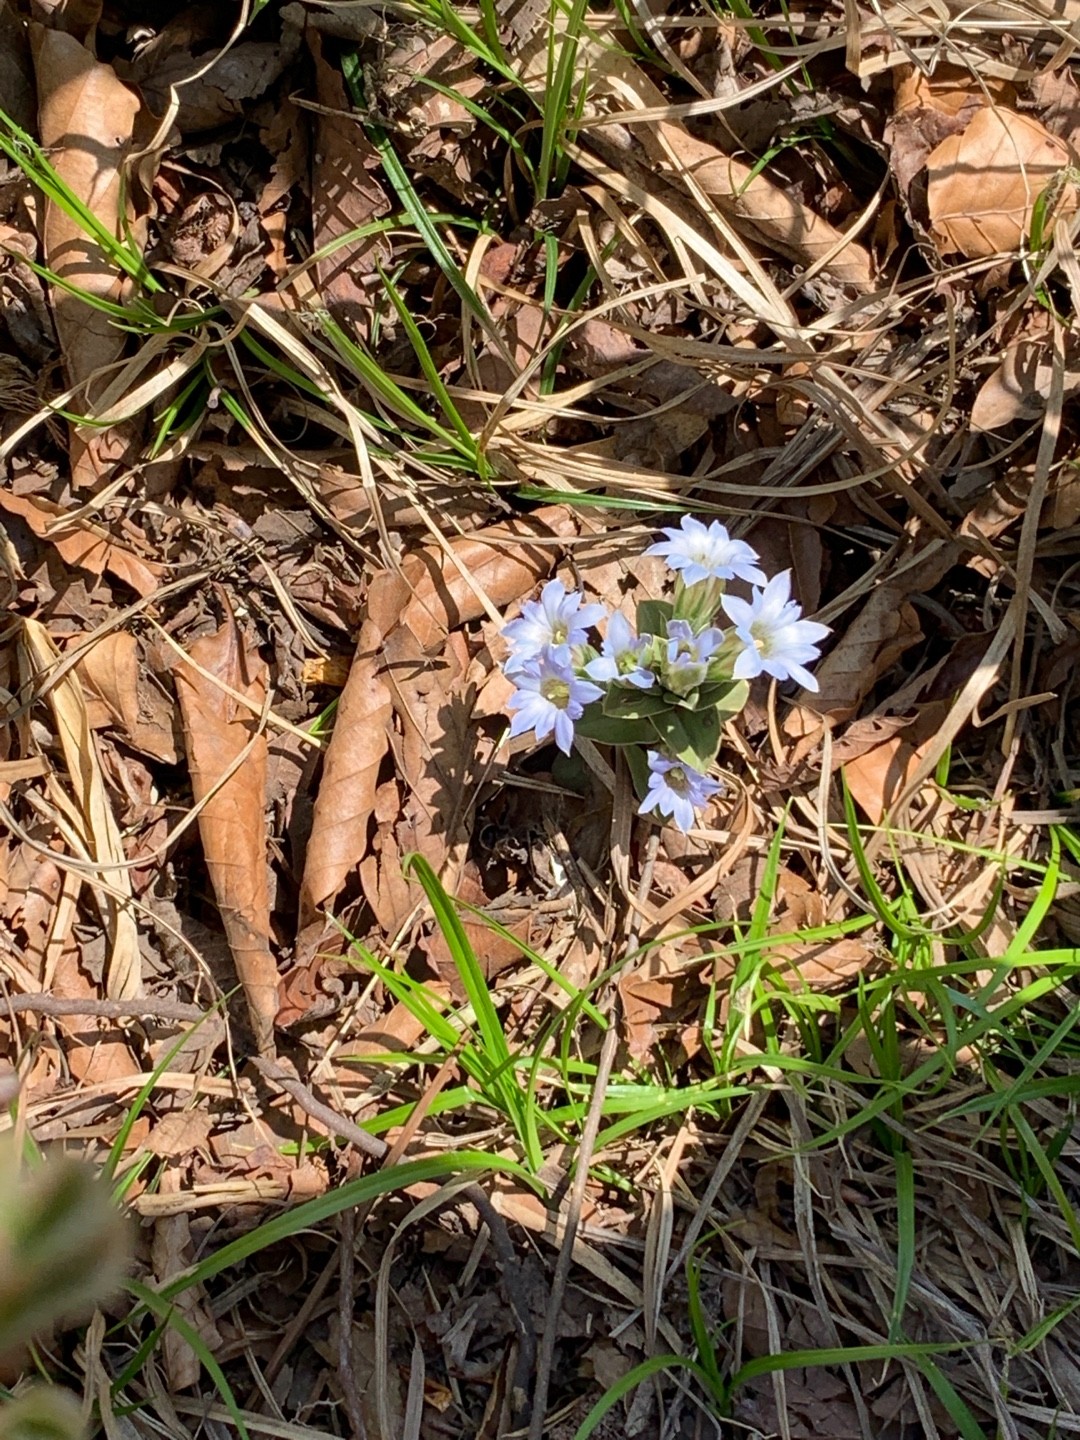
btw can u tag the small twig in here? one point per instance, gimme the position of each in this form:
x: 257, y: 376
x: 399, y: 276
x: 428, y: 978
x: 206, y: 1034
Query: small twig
x: 335, y: 1123
x: 299, y: 1322
x: 517, y: 1299
x: 513, y: 1284
x: 573, y: 1222
x: 346, y: 1308
x: 136, y: 1009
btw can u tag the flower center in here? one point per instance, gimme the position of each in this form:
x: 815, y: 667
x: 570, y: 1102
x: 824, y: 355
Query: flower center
x: 556, y: 691
x: 559, y: 632
x: 763, y: 638
x: 676, y: 780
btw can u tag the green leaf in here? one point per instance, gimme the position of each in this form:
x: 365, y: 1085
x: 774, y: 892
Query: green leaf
x: 726, y: 696
x: 639, y: 769
x: 606, y: 731
x: 628, y: 704
x: 692, y: 735
x: 653, y: 615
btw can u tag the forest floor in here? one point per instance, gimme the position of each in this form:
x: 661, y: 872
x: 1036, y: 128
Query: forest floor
x: 451, y: 1096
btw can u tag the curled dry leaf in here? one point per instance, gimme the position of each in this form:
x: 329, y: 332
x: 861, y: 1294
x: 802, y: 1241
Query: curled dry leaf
x: 770, y: 213
x: 346, y: 799
x: 82, y: 545
x: 85, y: 118
x: 983, y: 183
x: 172, y: 1251
x: 1018, y: 387
x: 774, y: 214
x: 100, y: 832
x: 929, y: 108
x: 119, y: 693
x: 218, y: 730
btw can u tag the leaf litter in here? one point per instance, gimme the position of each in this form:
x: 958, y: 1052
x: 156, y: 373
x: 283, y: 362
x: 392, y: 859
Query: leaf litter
x: 440, y: 308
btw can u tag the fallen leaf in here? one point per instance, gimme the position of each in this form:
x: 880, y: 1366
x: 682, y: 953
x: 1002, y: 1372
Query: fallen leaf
x: 16, y: 73
x: 435, y: 758
x: 879, y: 774
x: 773, y: 213
x: 345, y: 195
x: 929, y: 108
x: 879, y: 634
x: 115, y: 677
x: 502, y: 562
x: 180, y: 1132
x: 85, y: 119
x: 232, y: 826
x: 346, y: 799
x: 983, y: 183
x: 82, y: 545
x: 1056, y: 97
x: 1018, y: 387
x: 209, y: 95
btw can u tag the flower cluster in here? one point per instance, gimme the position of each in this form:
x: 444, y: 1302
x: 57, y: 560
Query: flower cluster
x: 664, y: 688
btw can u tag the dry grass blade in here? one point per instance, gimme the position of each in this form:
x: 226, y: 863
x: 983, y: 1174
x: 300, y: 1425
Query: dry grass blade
x: 100, y: 832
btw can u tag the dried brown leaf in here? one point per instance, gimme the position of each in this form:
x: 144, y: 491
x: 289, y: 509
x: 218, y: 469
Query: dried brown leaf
x: 774, y: 214
x: 983, y: 183
x: 232, y: 826
x: 345, y: 194
x: 346, y: 799
x: 929, y: 108
x: 434, y: 710
x: 503, y: 562
x: 879, y: 634
x: 1017, y: 388
x: 113, y: 674
x: 82, y: 545
x: 878, y: 775
x: 172, y: 1251
x: 85, y: 118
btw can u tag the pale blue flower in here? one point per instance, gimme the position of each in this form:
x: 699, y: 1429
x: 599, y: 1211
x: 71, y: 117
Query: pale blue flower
x: 622, y: 655
x: 549, y: 696
x: 676, y: 790
x: 777, y: 641
x: 707, y: 552
x: 688, y: 656
x: 557, y: 618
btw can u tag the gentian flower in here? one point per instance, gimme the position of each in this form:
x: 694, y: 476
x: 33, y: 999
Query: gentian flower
x: 778, y: 642
x: 676, y: 790
x: 549, y: 696
x: 621, y: 657
x: 707, y: 552
x: 688, y: 656
x: 557, y: 618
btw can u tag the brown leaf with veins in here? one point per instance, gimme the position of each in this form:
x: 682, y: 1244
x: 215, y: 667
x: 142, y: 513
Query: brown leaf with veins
x: 870, y: 644
x: 119, y: 692
x: 82, y: 545
x: 85, y: 119
x: 232, y: 825
x: 503, y: 561
x: 346, y: 799
x: 983, y: 184
x: 345, y: 195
